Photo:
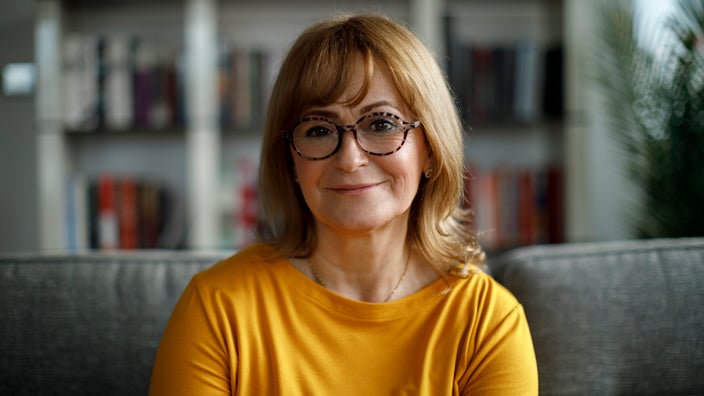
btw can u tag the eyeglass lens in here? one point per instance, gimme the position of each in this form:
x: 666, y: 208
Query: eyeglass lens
x: 376, y: 133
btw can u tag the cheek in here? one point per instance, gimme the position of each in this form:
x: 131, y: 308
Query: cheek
x: 412, y: 162
x: 406, y: 172
x: 307, y: 174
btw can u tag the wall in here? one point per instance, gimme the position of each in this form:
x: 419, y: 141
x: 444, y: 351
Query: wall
x: 598, y: 191
x: 18, y: 190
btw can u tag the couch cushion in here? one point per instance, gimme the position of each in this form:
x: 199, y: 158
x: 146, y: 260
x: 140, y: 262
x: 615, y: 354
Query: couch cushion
x: 87, y: 324
x: 613, y: 317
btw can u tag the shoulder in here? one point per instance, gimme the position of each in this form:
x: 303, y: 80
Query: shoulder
x: 254, y: 262
x: 481, y: 293
x: 497, y: 332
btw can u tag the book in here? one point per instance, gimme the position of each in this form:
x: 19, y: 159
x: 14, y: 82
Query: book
x: 128, y: 213
x: 77, y: 214
x: 108, y: 233
x: 271, y: 63
x: 240, y: 88
x: 109, y: 212
x: 245, y: 80
x: 150, y: 215
x: 482, y: 101
x: 80, y: 83
x: 553, y: 93
x: 555, y: 204
x: 143, y: 80
x: 225, y: 85
x: 118, y: 83
x: 516, y: 206
x: 526, y: 99
x: 527, y: 208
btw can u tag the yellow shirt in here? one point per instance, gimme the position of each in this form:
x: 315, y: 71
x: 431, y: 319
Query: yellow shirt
x: 254, y: 325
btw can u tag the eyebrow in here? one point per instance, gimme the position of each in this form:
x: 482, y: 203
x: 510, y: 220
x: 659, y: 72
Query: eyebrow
x: 332, y: 114
x: 380, y: 103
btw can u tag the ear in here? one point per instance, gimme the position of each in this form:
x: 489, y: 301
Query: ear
x: 429, y: 162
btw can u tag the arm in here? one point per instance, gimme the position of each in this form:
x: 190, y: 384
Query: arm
x: 504, y: 362
x: 193, y: 357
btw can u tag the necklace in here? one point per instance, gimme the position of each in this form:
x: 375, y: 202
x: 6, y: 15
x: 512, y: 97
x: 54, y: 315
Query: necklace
x: 322, y: 283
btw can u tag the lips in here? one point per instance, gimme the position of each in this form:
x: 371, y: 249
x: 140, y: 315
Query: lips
x: 353, y: 188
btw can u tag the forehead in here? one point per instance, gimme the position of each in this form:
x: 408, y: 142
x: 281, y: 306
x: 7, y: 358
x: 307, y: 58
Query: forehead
x: 369, y: 87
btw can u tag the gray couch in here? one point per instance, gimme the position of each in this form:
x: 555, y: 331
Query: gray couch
x: 607, y: 318
x: 617, y: 318
x: 87, y: 324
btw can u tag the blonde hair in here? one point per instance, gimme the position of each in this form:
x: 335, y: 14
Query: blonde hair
x: 315, y: 73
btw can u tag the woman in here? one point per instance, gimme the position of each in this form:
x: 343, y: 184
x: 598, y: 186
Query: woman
x: 365, y: 280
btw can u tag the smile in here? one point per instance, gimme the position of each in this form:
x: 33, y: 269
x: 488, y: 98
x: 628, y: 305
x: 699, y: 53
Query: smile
x: 352, y: 189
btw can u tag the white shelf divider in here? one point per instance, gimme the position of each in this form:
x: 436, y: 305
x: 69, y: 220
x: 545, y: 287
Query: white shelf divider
x: 426, y: 16
x: 51, y: 147
x: 202, y: 130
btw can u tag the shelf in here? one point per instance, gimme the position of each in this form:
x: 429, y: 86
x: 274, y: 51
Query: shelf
x: 198, y: 156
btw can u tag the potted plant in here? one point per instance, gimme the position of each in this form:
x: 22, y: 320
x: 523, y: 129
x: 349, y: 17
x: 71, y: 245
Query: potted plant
x: 654, y: 98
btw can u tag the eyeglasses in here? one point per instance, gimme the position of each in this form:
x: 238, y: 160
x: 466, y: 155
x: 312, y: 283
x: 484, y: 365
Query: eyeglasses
x: 317, y: 138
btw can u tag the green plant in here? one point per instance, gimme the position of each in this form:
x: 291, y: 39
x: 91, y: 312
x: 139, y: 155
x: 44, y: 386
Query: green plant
x: 654, y: 97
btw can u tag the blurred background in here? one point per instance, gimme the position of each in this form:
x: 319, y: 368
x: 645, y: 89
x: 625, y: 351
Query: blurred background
x: 136, y: 124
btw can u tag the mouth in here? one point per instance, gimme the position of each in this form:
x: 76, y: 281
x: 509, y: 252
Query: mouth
x: 353, y: 189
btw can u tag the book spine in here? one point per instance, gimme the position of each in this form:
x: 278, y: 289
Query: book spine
x: 77, y: 223
x: 516, y: 206
x: 108, y: 236
x: 143, y: 83
x: 241, y: 89
x: 527, y: 208
x: 526, y: 97
x: 118, y: 86
x: 128, y: 214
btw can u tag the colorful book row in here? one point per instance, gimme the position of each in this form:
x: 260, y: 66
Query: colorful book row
x: 245, y: 79
x: 516, y: 207
x: 122, y: 82
x: 109, y: 212
x: 521, y: 83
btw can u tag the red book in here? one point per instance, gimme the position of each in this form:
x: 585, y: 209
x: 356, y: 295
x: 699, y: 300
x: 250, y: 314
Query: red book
x: 128, y: 214
x: 555, y: 198
x: 492, y: 236
x: 527, y: 208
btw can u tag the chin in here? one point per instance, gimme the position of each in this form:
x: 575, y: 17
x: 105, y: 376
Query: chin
x: 354, y: 224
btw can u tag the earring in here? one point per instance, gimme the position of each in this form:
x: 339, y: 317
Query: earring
x: 428, y: 173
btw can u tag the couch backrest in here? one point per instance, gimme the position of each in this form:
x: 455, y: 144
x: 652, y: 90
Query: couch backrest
x: 87, y: 324
x: 613, y: 318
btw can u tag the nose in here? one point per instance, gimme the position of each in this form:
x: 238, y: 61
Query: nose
x: 350, y: 155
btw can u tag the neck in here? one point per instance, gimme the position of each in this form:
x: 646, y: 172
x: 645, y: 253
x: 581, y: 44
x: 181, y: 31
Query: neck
x: 357, y: 290
x: 364, y: 250
x: 371, y: 267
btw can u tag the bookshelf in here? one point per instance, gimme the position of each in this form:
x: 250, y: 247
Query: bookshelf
x: 182, y: 157
x: 505, y: 66
x: 202, y: 159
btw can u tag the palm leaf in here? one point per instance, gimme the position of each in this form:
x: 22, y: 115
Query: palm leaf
x: 655, y: 104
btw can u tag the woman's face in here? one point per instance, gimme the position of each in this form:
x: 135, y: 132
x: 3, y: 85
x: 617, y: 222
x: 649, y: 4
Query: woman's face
x: 353, y: 191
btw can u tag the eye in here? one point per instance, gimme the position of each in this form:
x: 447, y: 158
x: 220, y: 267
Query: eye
x: 318, y: 131
x: 313, y: 129
x: 382, y: 125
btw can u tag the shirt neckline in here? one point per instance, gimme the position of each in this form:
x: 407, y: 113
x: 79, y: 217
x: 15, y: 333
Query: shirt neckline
x: 328, y: 299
